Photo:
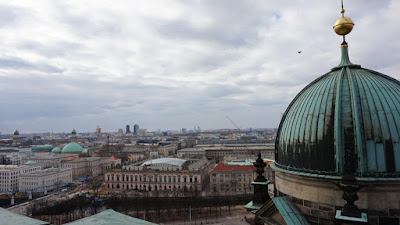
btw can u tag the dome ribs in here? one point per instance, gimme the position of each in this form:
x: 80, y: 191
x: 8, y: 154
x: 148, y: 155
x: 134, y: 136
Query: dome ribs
x: 349, y: 114
x: 358, y: 126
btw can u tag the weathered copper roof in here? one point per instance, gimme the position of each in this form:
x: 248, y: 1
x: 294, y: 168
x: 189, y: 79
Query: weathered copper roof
x: 348, y: 108
x: 72, y: 147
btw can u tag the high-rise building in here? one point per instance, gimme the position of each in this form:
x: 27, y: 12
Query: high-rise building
x: 120, y: 131
x: 184, y: 130
x: 128, y: 129
x: 98, y: 130
x: 135, y: 128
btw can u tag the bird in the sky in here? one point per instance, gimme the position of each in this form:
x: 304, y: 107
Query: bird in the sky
x: 299, y: 52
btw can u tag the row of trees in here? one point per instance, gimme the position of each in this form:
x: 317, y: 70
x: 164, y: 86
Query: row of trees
x: 155, y: 209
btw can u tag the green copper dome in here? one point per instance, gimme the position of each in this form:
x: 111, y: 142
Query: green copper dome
x: 56, y: 150
x: 72, y: 147
x: 349, y: 112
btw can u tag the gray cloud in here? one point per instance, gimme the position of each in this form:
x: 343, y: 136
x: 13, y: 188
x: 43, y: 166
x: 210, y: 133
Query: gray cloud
x: 176, y: 64
x: 20, y: 64
x: 9, y: 15
x: 50, y: 50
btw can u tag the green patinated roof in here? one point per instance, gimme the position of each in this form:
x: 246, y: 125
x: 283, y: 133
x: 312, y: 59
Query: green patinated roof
x: 349, y: 107
x: 30, y: 162
x: 241, y: 163
x: 72, y: 147
x: 41, y: 147
x: 110, y: 217
x: 10, y: 218
x: 56, y: 150
x: 363, y: 219
x: 289, y: 212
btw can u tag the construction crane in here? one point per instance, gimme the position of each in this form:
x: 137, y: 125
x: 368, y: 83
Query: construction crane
x: 234, y: 124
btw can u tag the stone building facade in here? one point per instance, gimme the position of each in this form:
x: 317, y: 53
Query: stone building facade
x: 168, y: 176
x: 232, y: 179
x: 9, y: 175
x: 87, y: 166
x: 219, y: 151
x: 45, y: 179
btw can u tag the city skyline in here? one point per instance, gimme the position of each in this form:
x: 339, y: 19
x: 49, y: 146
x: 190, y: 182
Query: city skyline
x: 173, y: 65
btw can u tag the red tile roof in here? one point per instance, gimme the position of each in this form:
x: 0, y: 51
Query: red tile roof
x: 113, y: 157
x: 68, y: 159
x: 226, y: 168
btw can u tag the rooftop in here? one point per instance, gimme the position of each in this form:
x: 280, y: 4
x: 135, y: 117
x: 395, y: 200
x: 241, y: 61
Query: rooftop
x: 169, y: 161
x: 133, y: 150
x: 14, y: 167
x: 227, y: 168
x: 47, y: 171
x: 191, y: 150
x: 110, y: 217
x: 10, y: 218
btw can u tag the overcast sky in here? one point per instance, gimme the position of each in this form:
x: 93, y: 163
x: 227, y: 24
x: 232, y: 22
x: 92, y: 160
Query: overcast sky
x: 175, y: 64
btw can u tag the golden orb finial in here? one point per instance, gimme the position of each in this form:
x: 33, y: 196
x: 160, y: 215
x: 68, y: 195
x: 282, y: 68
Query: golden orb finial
x: 343, y: 25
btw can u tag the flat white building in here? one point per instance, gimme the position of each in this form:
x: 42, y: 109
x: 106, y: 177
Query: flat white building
x: 9, y: 175
x: 45, y: 179
x: 10, y: 158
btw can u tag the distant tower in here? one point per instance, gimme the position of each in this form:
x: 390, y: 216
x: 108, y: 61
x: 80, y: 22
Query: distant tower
x: 135, y: 128
x: 98, y: 131
x: 108, y: 145
x: 16, y: 138
x: 128, y: 129
x: 73, y: 137
x: 184, y: 130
